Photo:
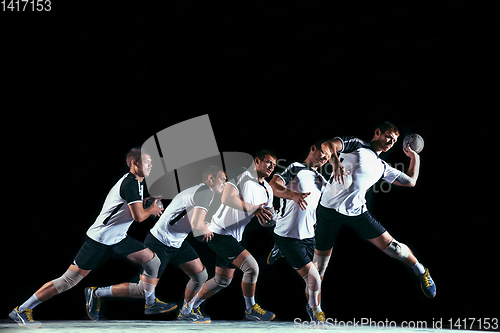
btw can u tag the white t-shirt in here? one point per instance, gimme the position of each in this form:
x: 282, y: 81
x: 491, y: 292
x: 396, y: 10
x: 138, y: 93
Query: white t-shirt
x: 366, y: 169
x: 230, y: 221
x: 293, y: 222
x: 174, y: 225
x: 115, y: 218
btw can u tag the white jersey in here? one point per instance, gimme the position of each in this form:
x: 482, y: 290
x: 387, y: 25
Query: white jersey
x: 293, y: 222
x: 366, y: 169
x: 174, y: 225
x: 230, y: 221
x: 115, y: 218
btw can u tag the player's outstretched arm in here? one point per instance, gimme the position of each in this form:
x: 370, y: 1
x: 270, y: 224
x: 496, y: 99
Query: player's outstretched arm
x: 410, y: 178
x: 281, y: 191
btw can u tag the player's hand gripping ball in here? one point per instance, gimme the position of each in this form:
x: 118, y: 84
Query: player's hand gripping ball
x: 274, y: 218
x: 415, y: 141
x: 150, y: 201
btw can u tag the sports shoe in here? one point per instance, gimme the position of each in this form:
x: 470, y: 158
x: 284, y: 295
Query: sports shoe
x: 195, y: 315
x: 274, y: 255
x: 427, y: 284
x: 24, y: 318
x: 93, y: 303
x: 258, y: 314
x: 159, y: 307
x: 315, y: 315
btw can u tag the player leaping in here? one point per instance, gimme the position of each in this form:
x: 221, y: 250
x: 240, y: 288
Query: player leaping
x: 347, y: 207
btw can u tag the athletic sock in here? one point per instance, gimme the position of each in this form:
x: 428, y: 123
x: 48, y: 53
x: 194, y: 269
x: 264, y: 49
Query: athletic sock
x: 30, y: 303
x: 418, y: 268
x: 196, y: 302
x: 186, y: 308
x: 249, y: 302
x: 103, y: 292
x: 313, y: 298
x: 149, y: 293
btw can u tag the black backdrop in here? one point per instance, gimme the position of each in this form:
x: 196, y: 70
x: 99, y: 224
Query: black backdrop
x: 85, y: 84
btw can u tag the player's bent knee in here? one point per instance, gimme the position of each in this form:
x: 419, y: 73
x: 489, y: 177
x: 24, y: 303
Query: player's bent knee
x: 152, y: 267
x: 67, y: 281
x: 218, y: 283
x: 397, y: 250
x: 136, y: 290
x: 250, y: 270
x: 197, y: 280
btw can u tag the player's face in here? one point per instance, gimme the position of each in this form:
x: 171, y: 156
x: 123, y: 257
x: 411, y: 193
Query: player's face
x: 386, y: 140
x: 219, y: 182
x: 145, y: 166
x: 265, y: 167
x: 319, y: 157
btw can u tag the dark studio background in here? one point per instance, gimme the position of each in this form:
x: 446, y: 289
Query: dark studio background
x: 80, y: 84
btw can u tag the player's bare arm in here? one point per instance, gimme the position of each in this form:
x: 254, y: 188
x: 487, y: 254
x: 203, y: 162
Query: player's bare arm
x: 334, y: 146
x: 200, y: 227
x: 140, y: 214
x: 231, y: 198
x: 281, y: 191
x: 409, y: 179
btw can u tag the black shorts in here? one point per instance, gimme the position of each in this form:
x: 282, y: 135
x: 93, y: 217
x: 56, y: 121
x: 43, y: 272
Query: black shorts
x: 168, y: 254
x: 329, y: 222
x: 93, y: 253
x: 298, y: 252
x: 227, y: 249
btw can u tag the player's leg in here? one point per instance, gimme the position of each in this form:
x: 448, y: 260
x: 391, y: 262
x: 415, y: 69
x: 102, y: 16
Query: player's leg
x: 397, y: 250
x: 197, y: 277
x: 222, y: 278
x: 90, y: 255
x: 327, y: 229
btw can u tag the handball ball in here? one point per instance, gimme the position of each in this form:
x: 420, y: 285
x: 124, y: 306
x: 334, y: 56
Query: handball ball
x: 274, y: 218
x: 415, y: 141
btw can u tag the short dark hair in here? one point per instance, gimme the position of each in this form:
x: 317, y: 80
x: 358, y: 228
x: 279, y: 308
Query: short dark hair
x: 261, y: 154
x: 211, y: 170
x: 387, y: 126
x: 135, y: 154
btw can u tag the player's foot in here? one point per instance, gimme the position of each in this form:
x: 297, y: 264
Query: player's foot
x: 316, y: 315
x: 427, y: 284
x: 256, y: 313
x: 159, y: 307
x: 93, y: 303
x: 195, y: 315
x: 274, y: 255
x: 24, y: 318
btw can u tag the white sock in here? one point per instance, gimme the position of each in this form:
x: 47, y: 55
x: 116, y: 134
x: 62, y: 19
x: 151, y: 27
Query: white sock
x: 196, y: 302
x: 313, y: 298
x: 149, y: 291
x: 418, y: 268
x: 186, y: 308
x: 30, y: 303
x: 104, y: 292
x: 249, y: 302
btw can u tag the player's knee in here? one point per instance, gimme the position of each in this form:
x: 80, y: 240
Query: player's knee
x: 250, y: 270
x: 67, y: 281
x: 197, y: 280
x: 397, y: 250
x: 321, y: 263
x: 218, y: 283
x: 152, y: 267
x: 136, y: 290
x: 312, y: 280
